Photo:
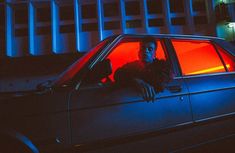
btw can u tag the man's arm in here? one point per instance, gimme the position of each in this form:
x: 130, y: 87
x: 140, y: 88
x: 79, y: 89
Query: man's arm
x: 147, y: 91
x: 159, y: 75
x: 132, y: 74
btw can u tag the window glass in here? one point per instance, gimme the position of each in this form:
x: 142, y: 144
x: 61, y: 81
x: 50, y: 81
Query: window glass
x: 178, y: 21
x: 111, y: 9
x: 88, y: 11
x: 43, y: 14
x: 2, y: 15
x: 43, y: 30
x: 199, y: 5
x: 159, y: 22
x: 177, y: 6
x: 127, y: 51
x: 66, y: 13
x: 154, y: 7
x: 229, y: 60
x: 132, y: 8
x: 112, y: 25
x: 79, y: 64
x: 90, y: 26
x: 69, y: 28
x: 197, y: 57
x: 200, y: 20
x: 133, y: 23
x: 20, y: 14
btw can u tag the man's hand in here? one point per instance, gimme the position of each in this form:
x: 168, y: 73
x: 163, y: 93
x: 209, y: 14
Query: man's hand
x: 147, y: 91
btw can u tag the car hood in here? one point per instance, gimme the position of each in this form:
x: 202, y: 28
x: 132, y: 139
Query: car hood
x: 21, y: 103
x: 17, y: 94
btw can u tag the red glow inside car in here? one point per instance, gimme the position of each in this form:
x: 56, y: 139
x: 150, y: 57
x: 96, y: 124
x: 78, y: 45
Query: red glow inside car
x: 197, y: 57
x: 127, y: 52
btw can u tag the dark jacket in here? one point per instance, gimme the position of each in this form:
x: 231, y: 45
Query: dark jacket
x: 157, y: 74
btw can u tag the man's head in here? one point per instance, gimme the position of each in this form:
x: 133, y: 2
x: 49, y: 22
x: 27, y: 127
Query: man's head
x: 148, y: 48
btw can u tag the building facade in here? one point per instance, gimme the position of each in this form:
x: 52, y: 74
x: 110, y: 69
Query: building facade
x: 39, y: 27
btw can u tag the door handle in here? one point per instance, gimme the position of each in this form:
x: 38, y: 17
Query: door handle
x: 174, y: 89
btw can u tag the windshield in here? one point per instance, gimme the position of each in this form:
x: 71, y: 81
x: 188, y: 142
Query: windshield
x: 80, y: 63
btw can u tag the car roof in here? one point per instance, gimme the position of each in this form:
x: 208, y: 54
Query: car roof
x: 176, y: 36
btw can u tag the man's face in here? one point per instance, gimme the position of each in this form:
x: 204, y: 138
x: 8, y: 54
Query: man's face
x: 147, y: 52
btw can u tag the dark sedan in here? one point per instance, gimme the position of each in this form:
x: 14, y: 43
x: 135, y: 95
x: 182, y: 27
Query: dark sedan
x: 83, y: 111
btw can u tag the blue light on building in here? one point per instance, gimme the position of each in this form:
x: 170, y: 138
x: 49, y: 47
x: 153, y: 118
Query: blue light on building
x: 68, y: 26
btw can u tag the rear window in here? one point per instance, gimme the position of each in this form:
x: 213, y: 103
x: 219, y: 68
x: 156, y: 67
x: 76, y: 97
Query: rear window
x: 229, y: 60
x: 197, y: 57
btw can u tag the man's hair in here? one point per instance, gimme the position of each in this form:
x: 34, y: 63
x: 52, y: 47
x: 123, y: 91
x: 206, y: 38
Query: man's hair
x: 149, y: 39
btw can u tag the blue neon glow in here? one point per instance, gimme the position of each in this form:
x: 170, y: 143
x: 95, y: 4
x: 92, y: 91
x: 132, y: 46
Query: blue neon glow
x: 54, y: 25
x: 9, y: 29
x: 27, y: 142
x: 77, y: 25
x: 31, y: 28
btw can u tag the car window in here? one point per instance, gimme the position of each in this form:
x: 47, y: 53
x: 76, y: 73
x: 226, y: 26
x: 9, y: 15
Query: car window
x: 72, y: 70
x: 229, y: 59
x: 127, y: 51
x: 197, y: 57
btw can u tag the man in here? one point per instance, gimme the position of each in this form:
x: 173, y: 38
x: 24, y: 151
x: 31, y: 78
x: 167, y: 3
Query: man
x: 148, y: 74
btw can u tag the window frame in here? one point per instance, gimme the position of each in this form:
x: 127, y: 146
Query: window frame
x: 216, y: 45
x: 162, y: 41
x: 197, y: 75
x: 105, y: 53
x: 93, y: 54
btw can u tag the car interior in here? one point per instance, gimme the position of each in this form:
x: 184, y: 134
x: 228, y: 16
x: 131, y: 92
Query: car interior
x: 127, y: 51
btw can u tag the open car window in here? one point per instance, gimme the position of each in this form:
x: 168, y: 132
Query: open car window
x: 127, y: 51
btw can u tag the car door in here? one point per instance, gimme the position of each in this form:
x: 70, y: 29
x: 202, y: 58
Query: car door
x: 208, y: 72
x: 211, y: 87
x: 101, y: 113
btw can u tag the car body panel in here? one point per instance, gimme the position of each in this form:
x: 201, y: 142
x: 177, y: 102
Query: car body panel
x: 212, y: 95
x: 41, y: 117
x: 191, y: 110
x: 119, y: 112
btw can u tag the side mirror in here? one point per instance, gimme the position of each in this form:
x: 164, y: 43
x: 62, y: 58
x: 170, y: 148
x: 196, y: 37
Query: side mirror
x: 101, y: 70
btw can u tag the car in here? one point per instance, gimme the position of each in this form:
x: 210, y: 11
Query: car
x: 83, y: 111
